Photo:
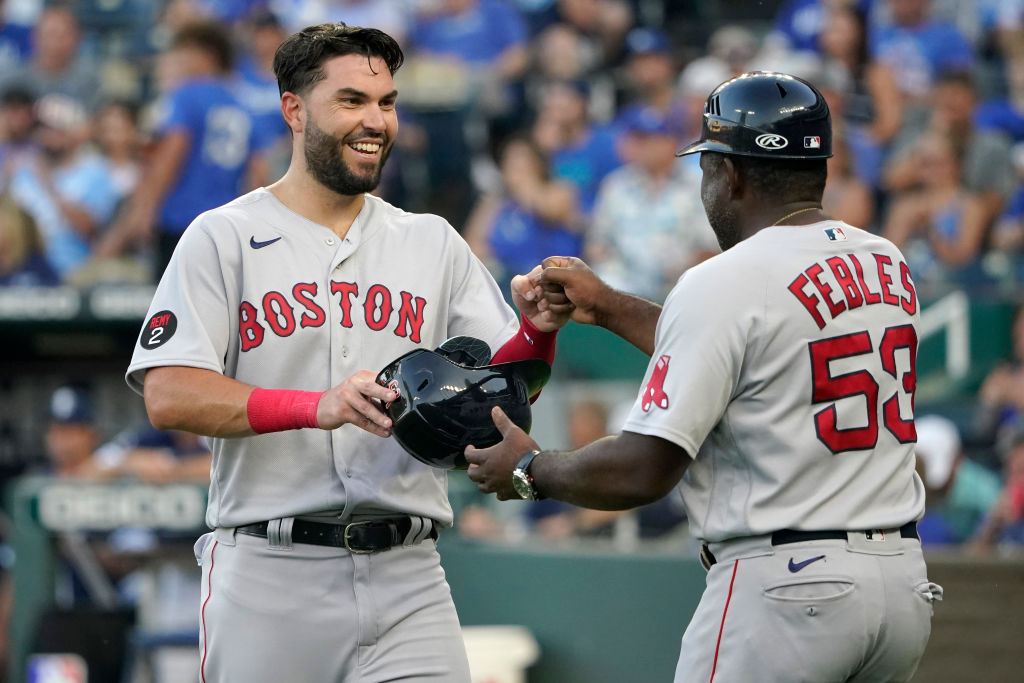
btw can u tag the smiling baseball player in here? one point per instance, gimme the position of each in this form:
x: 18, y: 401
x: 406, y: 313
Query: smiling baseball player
x: 266, y: 332
x: 779, y: 397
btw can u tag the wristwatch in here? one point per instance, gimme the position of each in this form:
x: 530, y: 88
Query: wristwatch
x: 522, y: 482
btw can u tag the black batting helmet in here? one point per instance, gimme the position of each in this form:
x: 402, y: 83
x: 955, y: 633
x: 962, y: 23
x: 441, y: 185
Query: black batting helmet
x: 445, y: 399
x: 765, y: 114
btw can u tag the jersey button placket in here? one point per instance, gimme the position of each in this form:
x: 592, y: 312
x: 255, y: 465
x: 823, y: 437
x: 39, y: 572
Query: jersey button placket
x: 341, y: 337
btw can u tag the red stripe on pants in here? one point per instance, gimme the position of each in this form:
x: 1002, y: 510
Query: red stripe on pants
x: 202, y: 615
x: 721, y: 628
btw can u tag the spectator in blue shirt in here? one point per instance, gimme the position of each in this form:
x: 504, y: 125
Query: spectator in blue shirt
x: 602, y: 23
x: 649, y: 77
x: 57, y: 63
x: 647, y: 226
x: 226, y: 11
x: 1008, y: 232
x: 529, y: 218
x: 66, y: 187
x: 999, y: 411
x: 798, y: 25
x: 255, y: 86
x: 987, y: 176
x: 581, y: 151
x: 17, y: 123
x: 959, y: 490
x: 1004, y: 525
x: 1006, y: 113
x: 871, y: 109
x: 918, y: 48
x: 15, y: 43
x: 391, y: 16
x: 22, y: 259
x: 938, y: 222
x: 204, y: 149
x: 477, y: 32
x: 463, y: 56
x: 155, y: 456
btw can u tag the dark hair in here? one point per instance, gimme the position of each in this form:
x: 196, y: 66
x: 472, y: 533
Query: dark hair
x: 211, y: 37
x: 862, y: 55
x: 17, y: 95
x: 299, y: 60
x: 784, y: 180
x: 958, y: 78
x: 128, y: 106
x: 529, y: 142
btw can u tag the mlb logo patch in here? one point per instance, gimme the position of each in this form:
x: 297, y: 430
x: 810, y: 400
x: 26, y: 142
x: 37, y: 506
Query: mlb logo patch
x: 812, y: 142
x: 835, y: 234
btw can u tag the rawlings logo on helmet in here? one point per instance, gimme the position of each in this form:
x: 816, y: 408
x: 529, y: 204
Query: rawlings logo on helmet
x: 393, y: 386
x: 771, y: 141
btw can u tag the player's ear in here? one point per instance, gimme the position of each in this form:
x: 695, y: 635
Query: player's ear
x: 731, y: 172
x: 293, y: 109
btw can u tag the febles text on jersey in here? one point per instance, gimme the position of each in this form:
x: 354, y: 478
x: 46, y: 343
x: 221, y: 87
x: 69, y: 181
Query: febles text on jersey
x: 840, y: 284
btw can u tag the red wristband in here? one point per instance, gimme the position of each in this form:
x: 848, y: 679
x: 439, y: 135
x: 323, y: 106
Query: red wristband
x: 529, y: 342
x: 276, y: 410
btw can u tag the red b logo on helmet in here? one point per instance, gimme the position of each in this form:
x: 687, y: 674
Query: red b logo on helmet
x: 654, y: 392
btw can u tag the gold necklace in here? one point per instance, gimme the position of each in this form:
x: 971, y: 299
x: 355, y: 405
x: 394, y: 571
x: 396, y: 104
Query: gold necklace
x: 790, y: 215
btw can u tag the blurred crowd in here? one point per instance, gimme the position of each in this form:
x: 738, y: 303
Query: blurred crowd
x: 534, y: 126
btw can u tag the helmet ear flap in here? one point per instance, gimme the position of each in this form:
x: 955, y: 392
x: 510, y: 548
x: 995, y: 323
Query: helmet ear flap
x: 468, y: 351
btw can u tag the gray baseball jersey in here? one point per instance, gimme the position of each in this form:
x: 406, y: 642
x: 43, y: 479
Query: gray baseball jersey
x: 785, y: 367
x: 263, y: 295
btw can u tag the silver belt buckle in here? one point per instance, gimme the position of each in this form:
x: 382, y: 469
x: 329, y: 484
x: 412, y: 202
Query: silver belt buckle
x: 344, y: 539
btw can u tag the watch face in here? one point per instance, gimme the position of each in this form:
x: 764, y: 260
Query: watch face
x: 521, y: 484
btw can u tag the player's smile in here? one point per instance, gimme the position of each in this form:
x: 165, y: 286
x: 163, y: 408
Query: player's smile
x: 365, y: 154
x: 369, y: 150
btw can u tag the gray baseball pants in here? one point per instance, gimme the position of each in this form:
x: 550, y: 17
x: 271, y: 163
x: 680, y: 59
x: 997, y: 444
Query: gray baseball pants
x: 299, y: 612
x: 824, y: 611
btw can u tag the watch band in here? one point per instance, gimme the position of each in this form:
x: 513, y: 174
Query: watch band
x: 524, y: 468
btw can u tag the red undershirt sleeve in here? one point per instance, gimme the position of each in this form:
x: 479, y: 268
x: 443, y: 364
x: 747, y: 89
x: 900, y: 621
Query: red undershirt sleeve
x: 528, y: 342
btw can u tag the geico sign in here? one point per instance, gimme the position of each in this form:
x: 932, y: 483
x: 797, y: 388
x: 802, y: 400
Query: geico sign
x: 65, y: 507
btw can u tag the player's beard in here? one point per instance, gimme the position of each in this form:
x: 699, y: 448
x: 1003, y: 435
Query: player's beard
x: 325, y: 162
x: 724, y: 219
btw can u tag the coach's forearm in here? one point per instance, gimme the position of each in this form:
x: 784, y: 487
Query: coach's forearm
x: 630, y: 317
x: 614, y: 473
x: 197, y: 400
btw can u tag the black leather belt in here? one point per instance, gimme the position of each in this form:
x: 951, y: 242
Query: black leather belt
x: 367, y: 536
x: 784, y: 536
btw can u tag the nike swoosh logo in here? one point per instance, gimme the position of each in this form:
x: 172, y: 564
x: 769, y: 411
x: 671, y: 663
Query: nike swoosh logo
x: 797, y: 566
x: 259, y: 245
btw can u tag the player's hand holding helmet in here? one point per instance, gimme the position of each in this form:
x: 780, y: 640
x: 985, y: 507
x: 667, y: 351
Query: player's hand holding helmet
x: 445, y: 398
x: 490, y: 468
x: 353, y: 402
